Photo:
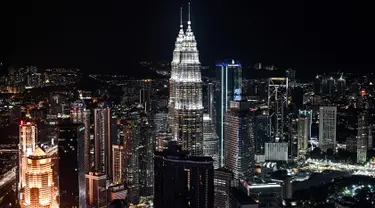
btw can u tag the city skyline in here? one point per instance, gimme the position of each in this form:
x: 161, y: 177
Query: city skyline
x: 319, y: 36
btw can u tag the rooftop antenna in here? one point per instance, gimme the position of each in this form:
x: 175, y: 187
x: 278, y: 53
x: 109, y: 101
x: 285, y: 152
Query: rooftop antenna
x: 189, y: 22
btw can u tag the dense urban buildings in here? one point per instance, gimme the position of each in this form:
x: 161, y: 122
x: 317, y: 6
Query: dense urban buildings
x: 190, y: 132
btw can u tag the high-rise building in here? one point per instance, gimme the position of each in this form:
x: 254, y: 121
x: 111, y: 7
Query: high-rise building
x: 185, y: 104
x: 229, y: 74
x: 71, y: 163
x: 28, y: 135
x: 262, y: 132
x: 239, y: 153
x: 210, y: 140
x: 291, y: 75
x: 117, y: 164
x: 96, y: 192
x: 182, y: 180
x: 276, y: 151
x: 278, y: 106
x: 210, y: 101
x: 79, y: 114
x: 131, y: 160
x: 318, y: 84
x: 102, y: 137
x: 309, y: 114
x: 303, y: 134
x: 341, y: 86
x: 327, y: 127
x: 222, y: 182
x: 362, y: 137
x: 118, y: 191
x: 39, y: 186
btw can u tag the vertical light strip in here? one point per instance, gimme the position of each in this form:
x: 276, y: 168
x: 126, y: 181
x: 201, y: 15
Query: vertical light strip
x: 222, y: 118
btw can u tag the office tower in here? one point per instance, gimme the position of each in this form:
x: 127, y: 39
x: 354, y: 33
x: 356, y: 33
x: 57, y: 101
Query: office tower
x: 362, y: 137
x: 131, y: 160
x: 278, y: 106
x: 117, y: 164
x: 297, y: 99
x: 330, y: 86
x: 262, y: 131
x: 28, y: 135
x: 71, y: 164
x: 96, y: 192
x: 222, y: 183
x: 327, y: 127
x: 229, y: 74
x: 239, y: 155
x: 102, y: 136
x: 291, y: 75
x: 341, y: 86
x: 39, y: 187
x: 309, y: 114
x: 318, y: 84
x: 210, y: 140
x: 276, y: 151
x: 182, y: 180
x: 185, y: 104
x: 303, y: 134
x: 80, y: 115
x: 146, y: 152
x: 210, y: 101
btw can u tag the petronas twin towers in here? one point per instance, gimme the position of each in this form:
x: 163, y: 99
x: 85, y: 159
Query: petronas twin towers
x: 185, y: 102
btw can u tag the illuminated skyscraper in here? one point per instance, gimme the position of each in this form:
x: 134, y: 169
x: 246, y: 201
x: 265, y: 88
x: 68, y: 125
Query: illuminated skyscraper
x: 239, y: 139
x: 79, y: 114
x: 303, y: 134
x: 362, y: 137
x: 229, y: 73
x: 117, y: 163
x: 102, y: 136
x: 185, y: 104
x: 28, y: 135
x: 341, y: 86
x: 327, y: 127
x: 39, y: 187
x: 278, y: 105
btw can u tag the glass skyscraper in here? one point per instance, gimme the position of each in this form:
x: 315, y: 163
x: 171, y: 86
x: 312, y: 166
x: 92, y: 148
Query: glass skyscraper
x: 229, y: 74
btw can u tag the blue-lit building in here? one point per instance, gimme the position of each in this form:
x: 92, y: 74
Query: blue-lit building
x: 229, y: 75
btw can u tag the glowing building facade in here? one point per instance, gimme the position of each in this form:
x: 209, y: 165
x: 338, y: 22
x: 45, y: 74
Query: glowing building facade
x: 117, y: 163
x: 39, y: 187
x: 185, y: 104
x: 102, y: 135
x: 28, y: 135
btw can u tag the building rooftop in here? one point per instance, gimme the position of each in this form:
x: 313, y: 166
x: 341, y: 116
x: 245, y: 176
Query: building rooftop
x: 241, y: 196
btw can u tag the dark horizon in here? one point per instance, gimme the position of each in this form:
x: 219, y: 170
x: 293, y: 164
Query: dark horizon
x: 105, y: 37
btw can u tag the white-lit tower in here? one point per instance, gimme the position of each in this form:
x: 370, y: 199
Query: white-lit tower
x: 278, y: 104
x: 186, y: 93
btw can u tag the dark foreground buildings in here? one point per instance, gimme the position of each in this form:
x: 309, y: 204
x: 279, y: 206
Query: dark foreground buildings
x: 182, y: 180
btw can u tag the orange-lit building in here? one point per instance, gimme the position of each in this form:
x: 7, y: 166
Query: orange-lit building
x: 39, y: 186
x: 28, y: 136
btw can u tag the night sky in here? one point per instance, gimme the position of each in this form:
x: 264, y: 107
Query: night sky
x: 107, y: 35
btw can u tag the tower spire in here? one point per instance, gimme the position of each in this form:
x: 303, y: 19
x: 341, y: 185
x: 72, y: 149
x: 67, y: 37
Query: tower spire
x: 189, y: 20
x: 181, y: 23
